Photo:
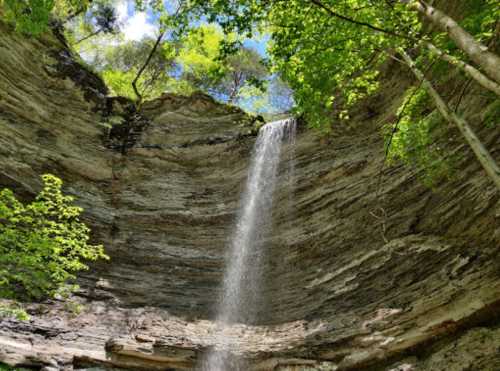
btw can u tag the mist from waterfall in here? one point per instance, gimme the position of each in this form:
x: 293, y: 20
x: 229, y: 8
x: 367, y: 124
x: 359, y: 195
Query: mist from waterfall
x: 239, y: 302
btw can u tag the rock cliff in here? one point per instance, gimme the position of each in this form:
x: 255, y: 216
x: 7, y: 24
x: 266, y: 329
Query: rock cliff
x: 366, y: 268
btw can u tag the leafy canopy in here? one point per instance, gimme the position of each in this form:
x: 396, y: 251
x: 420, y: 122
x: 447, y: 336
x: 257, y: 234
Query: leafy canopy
x: 43, y: 243
x: 32, y: 16
x: 229, y: 78
x: 119, y: 65
x: 329, y: 61
x: 330, y: 53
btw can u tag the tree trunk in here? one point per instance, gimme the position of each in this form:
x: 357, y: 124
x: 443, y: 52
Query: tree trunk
x: 477, y: 52
x: 478, y: 148
x: 473, y: 72
x: 144, y: 66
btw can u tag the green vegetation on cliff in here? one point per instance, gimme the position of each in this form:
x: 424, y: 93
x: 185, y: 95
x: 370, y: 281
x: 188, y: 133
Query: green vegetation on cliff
x: 42, y: 244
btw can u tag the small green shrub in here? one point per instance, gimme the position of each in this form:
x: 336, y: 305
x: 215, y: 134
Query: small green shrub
x: 13, y: 310
x: 42, y: 244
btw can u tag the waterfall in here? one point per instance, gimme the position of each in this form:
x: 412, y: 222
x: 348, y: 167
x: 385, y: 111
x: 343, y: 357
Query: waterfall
x: 239, y: 302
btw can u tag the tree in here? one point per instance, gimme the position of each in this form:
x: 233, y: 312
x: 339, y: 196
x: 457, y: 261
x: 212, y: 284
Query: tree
x: 100, y: 19
x: 243, y: 70
x: 227, y: 77
x: 194, y: 62
x: 199, y: 57
x: 478, y: 52
x: 120, y: 67
x: 43, y: 243
x: 329, y: 52
x: 167, y: 19
x: 479, y: 149
x: 119, y: 64
x: 145, y: 65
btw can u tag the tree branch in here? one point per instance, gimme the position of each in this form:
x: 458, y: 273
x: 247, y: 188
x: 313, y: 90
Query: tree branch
x: 89, y: 36
x: 482, y: 154
x: 478, y: 52
x: 145, y: 65
x: 330, y: 11
x: 473, y: 72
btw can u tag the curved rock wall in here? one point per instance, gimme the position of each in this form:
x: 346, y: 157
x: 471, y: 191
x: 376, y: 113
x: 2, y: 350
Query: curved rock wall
x: 365, y: 266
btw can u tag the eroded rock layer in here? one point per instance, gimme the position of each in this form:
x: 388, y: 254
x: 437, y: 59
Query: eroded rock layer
x: 365, y: 268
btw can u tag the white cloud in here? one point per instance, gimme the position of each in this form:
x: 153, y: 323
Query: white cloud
x: 135, y: 26
x: 122, y: 10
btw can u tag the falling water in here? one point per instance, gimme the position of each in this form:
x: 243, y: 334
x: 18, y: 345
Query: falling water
x: 240, y: 292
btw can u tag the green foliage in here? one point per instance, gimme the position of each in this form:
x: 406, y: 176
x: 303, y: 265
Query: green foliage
x: 119, y: 82
x: 481, y: 19
x: 206, y: 66
x: 4, y: 367
x: 199, y: 57
x: 329, y: 62
x: 193, y: 62
x: 416, y: 141
x: 327, y: 73
x: 13, y: 310
x: 42, y: 244
x: 32, y: 16
x: 119, y: 64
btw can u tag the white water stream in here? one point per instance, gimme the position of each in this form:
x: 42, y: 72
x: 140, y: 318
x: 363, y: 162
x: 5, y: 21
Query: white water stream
x: 239, y: 302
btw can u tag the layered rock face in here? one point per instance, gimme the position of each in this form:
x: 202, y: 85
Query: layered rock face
x: 366, y: 268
